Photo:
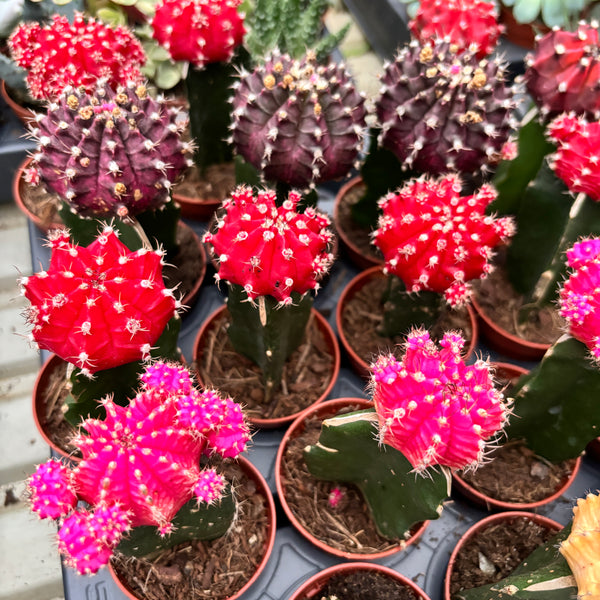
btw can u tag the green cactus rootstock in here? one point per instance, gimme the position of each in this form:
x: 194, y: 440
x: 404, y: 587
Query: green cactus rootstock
x: 403, y: 311
x: 544, y: 575
x: 118, y: 382
x: 268, y: 337
x: 556, y: 408
x: 194, y: 521
x: 292, y: 27
x: 348, y: 451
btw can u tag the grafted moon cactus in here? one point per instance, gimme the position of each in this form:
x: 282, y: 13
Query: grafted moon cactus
x: 577, y: 150
x: 433, y: 407
x: 110, y: 152
x: 563, y: 73
x: 77, y: 54
x: 199, y: 31
x: 142, y: 466
x: 297, y: 121
x: 434, y: 239
x: 440, y: 110
x: 50, y: 490
x: 98, y: 306
x: 469, y: 24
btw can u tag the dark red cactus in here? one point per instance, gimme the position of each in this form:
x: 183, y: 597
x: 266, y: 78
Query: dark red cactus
x: 466, y: 23
x: 270, y: 250
x: 435, y: 239
x: 199, y: 31
x: 98, y: 306
x: 563, y: 73
x: 62, y: 54
x: 297, y: 121
x: 441, y: 111
x: 432, y: 407
x: 110, y: 152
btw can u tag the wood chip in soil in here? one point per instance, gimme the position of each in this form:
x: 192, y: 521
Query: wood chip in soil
x: 504, y: 546
x: 199, y: 570
x: 307, y: 372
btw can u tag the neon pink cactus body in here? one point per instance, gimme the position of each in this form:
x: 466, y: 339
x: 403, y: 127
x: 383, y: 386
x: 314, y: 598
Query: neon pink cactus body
x: 577, y: 153
x: 579, y: 296
x: 432, y: 407
x: 199, y: 31
x: 110, y: 152
x: 563, y: 74
x: 140, y: 465
x: 465, y: 23
x: 63, y: 54
x: 50, y: 491
x: 435, y: 239
x: 271, y: 250
x: 98, y: 306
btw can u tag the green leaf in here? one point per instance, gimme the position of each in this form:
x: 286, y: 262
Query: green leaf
x: 112, y: 16
x: 398, y: 498
x: 556, y: 408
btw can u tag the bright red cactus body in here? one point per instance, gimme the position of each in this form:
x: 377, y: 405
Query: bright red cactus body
x: 98, y: 306
x: 465, y: 23
x: 563, y: 74
x: 199, y: 31
x: 50, y: 491
x: 579, y: 296
x: 140, y: 464
x: 577, y: 153
x: 271, y: 250
x: 435, y: 239
x: 432, y: 407
x: 63, y: 54
x: 110, y: 152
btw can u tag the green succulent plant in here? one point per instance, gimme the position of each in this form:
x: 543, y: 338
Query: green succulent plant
x: 553, y: 13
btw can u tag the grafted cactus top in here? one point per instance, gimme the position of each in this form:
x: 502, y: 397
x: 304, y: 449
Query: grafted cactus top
x: 110, y: 152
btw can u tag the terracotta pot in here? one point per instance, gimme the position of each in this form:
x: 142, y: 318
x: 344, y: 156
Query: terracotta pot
x: 331, y: 341
x: 262, y: 488
x: 310, y: 589
x: 352, y: 251
x: 324, y: 410
x: 521, y: 34
x: 504, y: 342
x: 509, y: 371
x: 195, y: 208
x: 39, y: 402
x: 358, y: 364
x: 486, y: 522
x: 24, y: 114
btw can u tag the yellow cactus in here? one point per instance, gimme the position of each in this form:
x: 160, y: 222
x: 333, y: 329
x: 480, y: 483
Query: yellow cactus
x: 582, y: 548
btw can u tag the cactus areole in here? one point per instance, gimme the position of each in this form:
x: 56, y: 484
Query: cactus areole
x: 110, y: 152
x: 433, y: 407
x: 563, y: 74
x: 98, y: 306
x: 469, y: 24
x: 140, y: 466
x: 435, y: 239
x: 199, y: 31
x: 76, y: 54
x: 298, y: 122
x: 442, y: 111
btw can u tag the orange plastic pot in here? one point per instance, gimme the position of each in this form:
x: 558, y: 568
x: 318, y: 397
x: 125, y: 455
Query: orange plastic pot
x: 323, y: 411
x: 330, y: 340
x: 311, y: 588
x: 482, y: 525
x: 24, y: 114
x: 263, y: 489
x: 358, y: 364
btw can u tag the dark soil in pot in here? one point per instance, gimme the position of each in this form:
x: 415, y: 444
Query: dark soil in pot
x: 515, y: 473
x: 307, y: 373
x: 216, y: 183
x: 502, y: 304
x: 363, y: 313
x: 347, y: 526
x: 366, y: 585
x: 496, y: 551
x: 198, y: 570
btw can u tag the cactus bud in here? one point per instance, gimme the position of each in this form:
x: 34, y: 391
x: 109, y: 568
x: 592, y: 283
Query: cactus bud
x: 51, y: 492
